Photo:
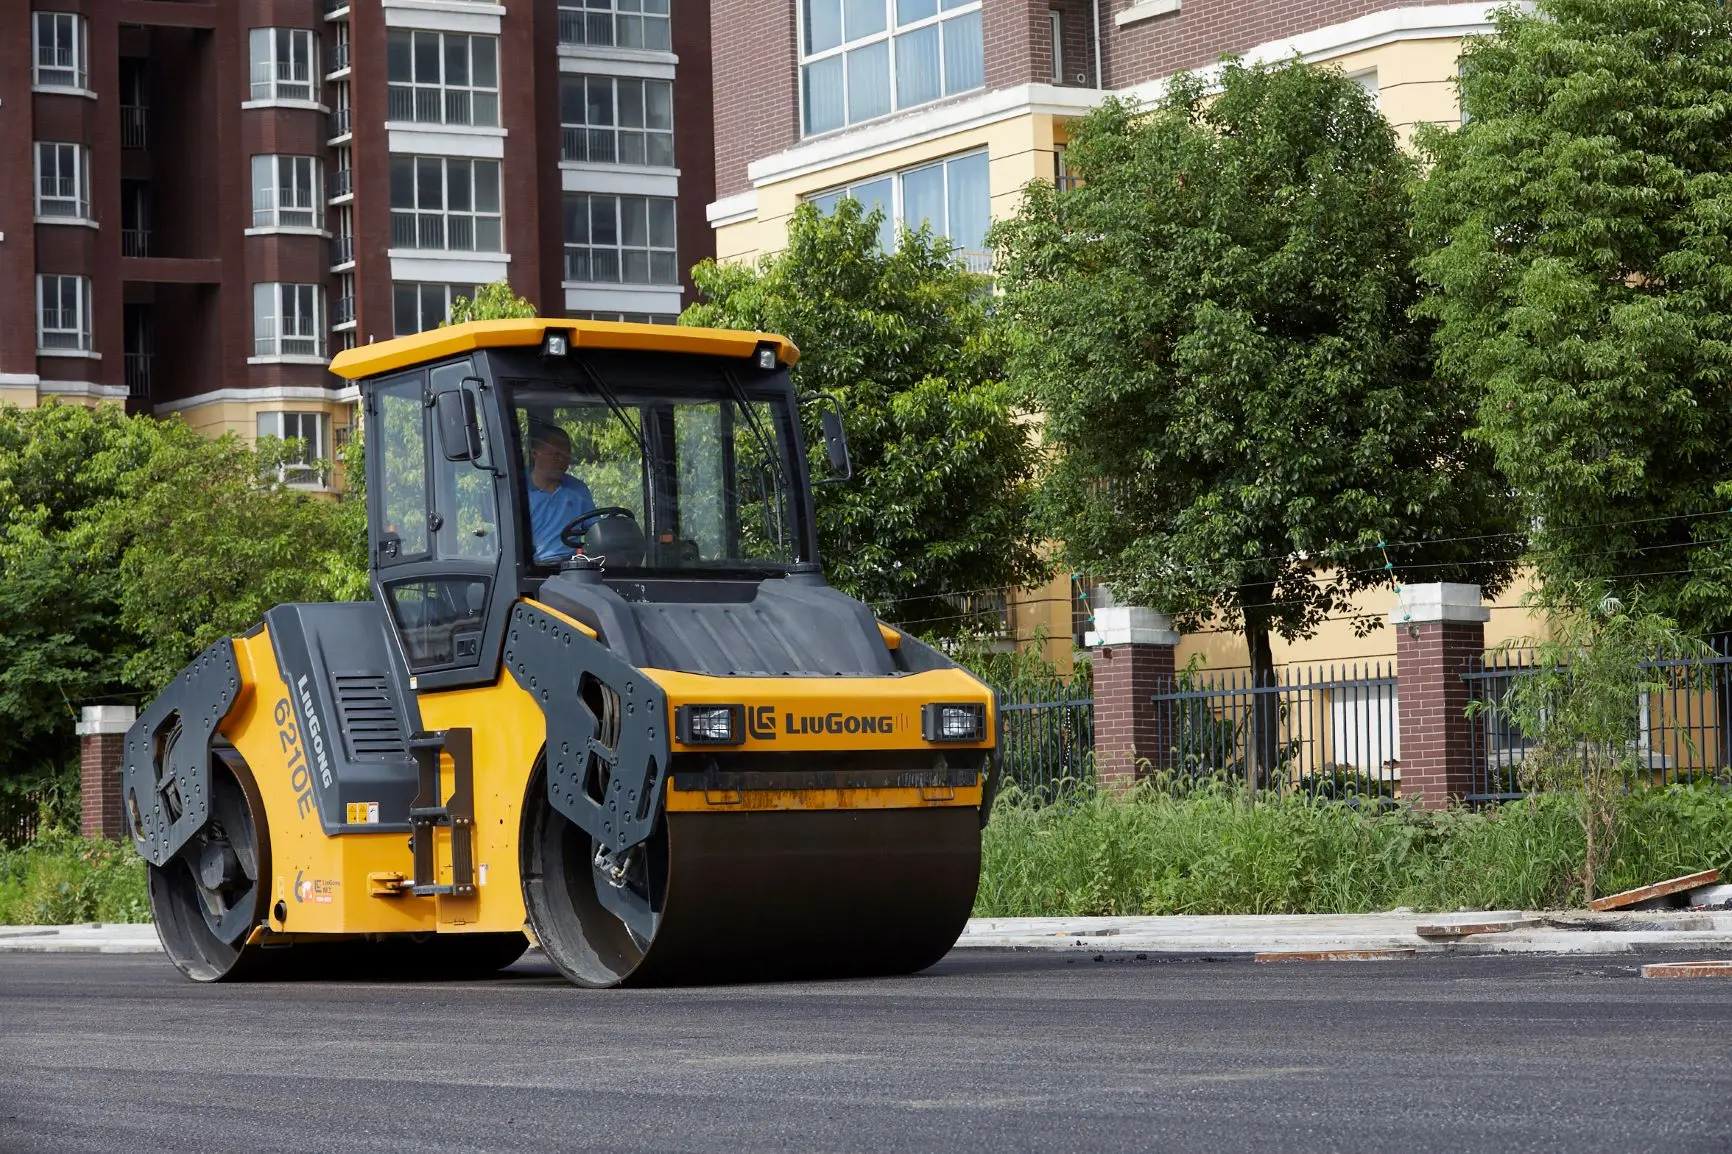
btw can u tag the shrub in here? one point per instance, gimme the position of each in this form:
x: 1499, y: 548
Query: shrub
x: 60, y: 879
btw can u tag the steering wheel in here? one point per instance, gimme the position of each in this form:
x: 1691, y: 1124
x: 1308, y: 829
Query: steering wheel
x: 572, y: 534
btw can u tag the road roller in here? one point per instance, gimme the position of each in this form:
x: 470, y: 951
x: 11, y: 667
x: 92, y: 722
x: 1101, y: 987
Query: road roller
x: 602, y: 699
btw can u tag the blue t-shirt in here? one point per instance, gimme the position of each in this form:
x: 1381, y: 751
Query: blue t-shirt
x: 551, y: 512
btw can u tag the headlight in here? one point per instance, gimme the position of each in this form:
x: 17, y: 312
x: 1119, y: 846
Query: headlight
x: 710, y: 724
x: 963, y: 722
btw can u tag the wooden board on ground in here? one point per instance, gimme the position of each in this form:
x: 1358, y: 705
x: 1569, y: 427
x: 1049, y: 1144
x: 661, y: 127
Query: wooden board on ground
x: 1657, y: 890
x: 1468, y: 929
x: 1688, y: 970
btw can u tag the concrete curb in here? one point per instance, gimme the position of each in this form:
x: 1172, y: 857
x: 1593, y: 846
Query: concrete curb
x: 1320, y: 935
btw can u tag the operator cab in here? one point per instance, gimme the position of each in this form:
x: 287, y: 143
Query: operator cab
x: 610, y: 471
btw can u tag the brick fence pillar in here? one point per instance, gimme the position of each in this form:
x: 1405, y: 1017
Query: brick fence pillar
x: 1133, y: 660
x: 101, y: 751
x: 1439, y: 629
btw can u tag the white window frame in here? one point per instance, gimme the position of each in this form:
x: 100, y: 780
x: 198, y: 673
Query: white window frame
x: 310, y: 468
x: 71, y: 336
x: 620, y: 249
x: 288, y: 320
x: 1056, y: 19
x: 976, y: 260
x: 288, y: 192
x: 891, y: 31
x: 579, y: 18
x: 268, y: 81
x: 476, y: 218
x: 438, y: 94
x: 62, y: 206
x: 583, y: 137
x: 76, y: 61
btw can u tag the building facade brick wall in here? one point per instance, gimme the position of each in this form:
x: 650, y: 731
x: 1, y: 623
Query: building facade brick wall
x: 1203, y: 31
x: 756, y: 84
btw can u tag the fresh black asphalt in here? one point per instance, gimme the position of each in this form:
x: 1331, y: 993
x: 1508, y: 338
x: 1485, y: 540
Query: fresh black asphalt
x: 988, y: 1051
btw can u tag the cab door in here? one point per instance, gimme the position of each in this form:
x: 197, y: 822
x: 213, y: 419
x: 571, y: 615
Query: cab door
x: 440, y: 547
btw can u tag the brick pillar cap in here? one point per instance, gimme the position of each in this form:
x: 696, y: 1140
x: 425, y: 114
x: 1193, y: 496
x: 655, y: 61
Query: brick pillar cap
x: 1436, y: 602
x: 101, y: 719
x: 1130, y: 625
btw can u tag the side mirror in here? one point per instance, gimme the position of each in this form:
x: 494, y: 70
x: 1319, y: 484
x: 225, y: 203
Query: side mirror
x: 835, y: 438
x: 459, y: 427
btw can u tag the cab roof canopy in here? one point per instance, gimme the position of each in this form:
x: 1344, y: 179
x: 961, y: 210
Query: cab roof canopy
x: 437, y: 344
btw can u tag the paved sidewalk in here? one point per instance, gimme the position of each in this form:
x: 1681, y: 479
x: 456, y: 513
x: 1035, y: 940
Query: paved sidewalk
x: 1554, y: 932
x: 1394, y: 934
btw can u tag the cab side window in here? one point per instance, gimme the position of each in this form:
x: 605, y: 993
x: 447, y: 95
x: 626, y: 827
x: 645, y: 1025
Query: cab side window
x: 402, y: 447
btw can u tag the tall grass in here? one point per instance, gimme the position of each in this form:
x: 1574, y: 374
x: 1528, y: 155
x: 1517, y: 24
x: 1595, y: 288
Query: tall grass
x: 61, y: 878
x: 1207, y: 852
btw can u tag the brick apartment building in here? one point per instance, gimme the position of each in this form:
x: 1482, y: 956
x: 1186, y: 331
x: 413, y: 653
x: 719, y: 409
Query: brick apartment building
x: 943, y: 110
x: 203, y: 200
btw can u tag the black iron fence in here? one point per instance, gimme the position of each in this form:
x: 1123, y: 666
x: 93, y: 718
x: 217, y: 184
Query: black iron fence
x: 1049, y: 738
x: 1684, y: 729
x: 1333, y: 731
x: 19, y: 817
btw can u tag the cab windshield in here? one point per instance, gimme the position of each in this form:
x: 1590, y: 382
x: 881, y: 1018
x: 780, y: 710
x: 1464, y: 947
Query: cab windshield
x: 689, y: 473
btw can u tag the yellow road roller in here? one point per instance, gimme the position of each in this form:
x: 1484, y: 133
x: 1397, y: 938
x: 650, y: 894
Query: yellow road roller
x: 602, y: 698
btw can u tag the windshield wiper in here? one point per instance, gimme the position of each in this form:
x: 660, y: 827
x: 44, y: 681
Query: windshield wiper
x: 607, y: 395
x: 745, y: 404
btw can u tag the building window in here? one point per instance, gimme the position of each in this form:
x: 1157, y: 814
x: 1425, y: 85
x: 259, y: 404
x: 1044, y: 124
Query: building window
x: 442, y: 78
x: 628, y: 318
x: 615, y: 23
x: 1057, y: 33
x: 445, y: 203
x: 866, y: 58
x: 282, y: 63
x: 418, y: 307
x: 609, y: 120
x: 62, y: 314
x: 620, y: 239
x: 62, y: 181
x: 62, y: 50
x: 288, y: 320
x: 308, y: 461
x: 286, y: 192
x: 951, y: 197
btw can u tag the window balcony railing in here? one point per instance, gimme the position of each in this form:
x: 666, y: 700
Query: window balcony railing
x: 342, y: 310
x: 974, y: 261
x: 137, y: 374
x: 135, y: 242
x: 133, y: 119
x: 342, y: 250
x: 341, y: 183
x: 335, y: 6
x: 339, y: 123
x: 337, y: 57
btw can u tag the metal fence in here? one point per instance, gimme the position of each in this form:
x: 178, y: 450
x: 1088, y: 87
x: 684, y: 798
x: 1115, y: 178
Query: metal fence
x: 1333, y: 731
x: 19, y: 816
x: 1684, y: 729
x: 1049, y: 738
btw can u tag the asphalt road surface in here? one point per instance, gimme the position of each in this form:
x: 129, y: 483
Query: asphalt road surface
x: 987, y: 1051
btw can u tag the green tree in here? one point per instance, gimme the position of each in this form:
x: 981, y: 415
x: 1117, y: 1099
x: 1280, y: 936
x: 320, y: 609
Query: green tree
x: 942, y: 465
x: 1579, y: 276
x: 127, y: 544
x: 1239, y: 412
x: 491, y: 302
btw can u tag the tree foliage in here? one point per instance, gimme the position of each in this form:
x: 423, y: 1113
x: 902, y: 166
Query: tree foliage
x: 491, y: 302
x: 1580, y: 222
x: 942, y: 465
x: 129, y: 543
x: 1239, y: 411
